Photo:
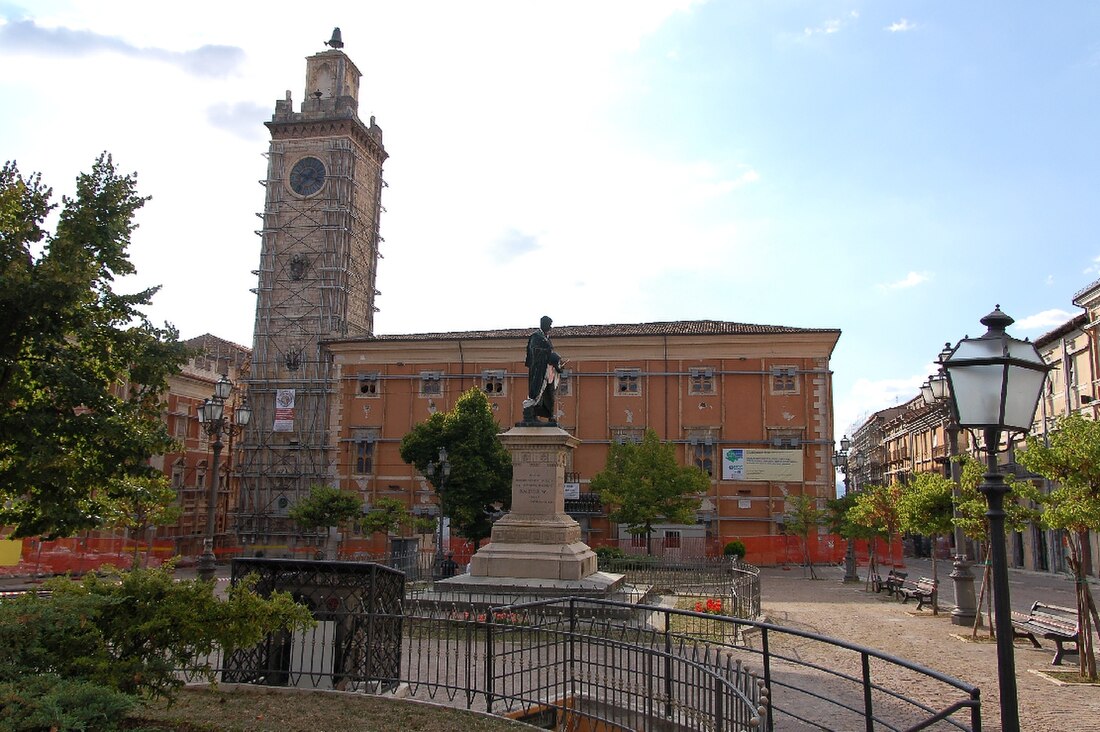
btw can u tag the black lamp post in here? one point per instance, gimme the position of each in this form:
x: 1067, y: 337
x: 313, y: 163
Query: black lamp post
x: 840, y: 460
x: 995, y: 383
x: 442, y: 470
x: 213, y: 421
x: 937, y: 391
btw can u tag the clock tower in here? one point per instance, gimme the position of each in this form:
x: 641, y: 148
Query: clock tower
x: 316, y: 280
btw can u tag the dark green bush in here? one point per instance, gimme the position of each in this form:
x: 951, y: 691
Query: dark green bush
x: 93, y: 642
x: 47, y: 702
x: 734, y: 549
x: 604, y: 553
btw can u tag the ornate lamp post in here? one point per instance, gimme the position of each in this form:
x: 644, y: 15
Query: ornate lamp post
x: 442, y: 470
x: 937, y: 391
x: 995, y: 383
x: 840, y: 460
x: 213, y: 421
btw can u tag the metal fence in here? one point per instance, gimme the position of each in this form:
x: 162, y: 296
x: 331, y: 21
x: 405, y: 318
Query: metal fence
x: 618, y: 665
x: 735, y: 582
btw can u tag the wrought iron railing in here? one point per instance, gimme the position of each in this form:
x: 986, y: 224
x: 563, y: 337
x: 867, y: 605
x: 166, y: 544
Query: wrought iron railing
x: 619, y: 665
x: 733, y: 581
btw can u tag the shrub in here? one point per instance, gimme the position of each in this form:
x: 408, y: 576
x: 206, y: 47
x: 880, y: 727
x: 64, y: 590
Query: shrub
x: 94, y: 642
x: 604, y: 553
x: 734, y: 548
x: 48, y: 702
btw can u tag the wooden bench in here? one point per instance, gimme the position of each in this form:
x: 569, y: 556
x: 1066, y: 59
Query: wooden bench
x: 891, y: 584
x: 923, y: 590
x: 1053, y: 622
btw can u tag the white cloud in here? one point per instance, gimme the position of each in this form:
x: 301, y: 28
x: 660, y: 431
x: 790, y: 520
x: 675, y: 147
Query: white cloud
x: 1094, y: 267
x: 868, y: 396
x: 901, y: 26
x: 910, y: 280
x: 1046, y: 320
x: 833, y: 25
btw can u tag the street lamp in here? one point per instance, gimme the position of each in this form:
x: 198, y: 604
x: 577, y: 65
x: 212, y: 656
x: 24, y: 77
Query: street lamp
x: 937, y: 392
x: 840, y: 460
x: 442, y: 470
x: 213, y: 421
x: 995, y: 382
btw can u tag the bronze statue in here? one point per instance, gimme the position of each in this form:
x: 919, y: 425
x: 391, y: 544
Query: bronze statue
x: 543, y: 369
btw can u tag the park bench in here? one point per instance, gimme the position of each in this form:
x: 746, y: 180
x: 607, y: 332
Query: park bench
x: 1053, y: 622
x: 923, y: 590
x: 891, y: 584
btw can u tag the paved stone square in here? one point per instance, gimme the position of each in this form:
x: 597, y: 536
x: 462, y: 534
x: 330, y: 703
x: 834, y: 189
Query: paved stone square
x: 850, y: 612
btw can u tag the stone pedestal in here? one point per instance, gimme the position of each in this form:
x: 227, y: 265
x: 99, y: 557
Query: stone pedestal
x: 537, y: 540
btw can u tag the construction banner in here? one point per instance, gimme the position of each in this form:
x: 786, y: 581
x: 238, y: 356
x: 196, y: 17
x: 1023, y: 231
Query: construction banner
x: 284, y: 411
x: 775, y: 465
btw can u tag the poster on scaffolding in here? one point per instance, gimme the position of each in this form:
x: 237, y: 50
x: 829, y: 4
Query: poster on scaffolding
x: 284, y: 411
x: 774, y: 465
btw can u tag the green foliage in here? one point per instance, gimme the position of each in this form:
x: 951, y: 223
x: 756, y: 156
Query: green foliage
x: 1019, y: 513
x: 82, y: 370
x: 388, y: 515
x: 47, y: 702
x: 326, y: 506
x: 481, y: 468
x: 609, y: 552
x: 124, y: 635
x: 926, y: 504
x: 645, y: 484
x: 734, y: 548
x: 838, y: 518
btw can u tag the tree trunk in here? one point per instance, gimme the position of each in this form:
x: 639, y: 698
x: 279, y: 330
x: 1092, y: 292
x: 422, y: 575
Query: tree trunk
x: 981, y: 596
x: 1086, y: 653
x: 935, y: 581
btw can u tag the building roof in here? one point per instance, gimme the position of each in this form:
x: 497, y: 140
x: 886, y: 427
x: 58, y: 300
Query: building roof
x: 212, y: 345
x: 1078, y: 322
x: 1081, y: 294
x: 673, y: 328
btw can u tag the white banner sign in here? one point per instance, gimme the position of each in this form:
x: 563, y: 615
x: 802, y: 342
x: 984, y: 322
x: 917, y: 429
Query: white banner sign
x: 284, y: 411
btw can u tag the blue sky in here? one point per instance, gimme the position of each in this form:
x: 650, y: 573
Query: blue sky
x: 891, y: 169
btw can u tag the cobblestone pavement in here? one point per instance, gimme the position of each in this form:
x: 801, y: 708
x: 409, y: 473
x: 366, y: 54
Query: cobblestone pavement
x: 853, y: 613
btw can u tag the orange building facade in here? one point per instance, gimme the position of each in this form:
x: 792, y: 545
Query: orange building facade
x: 709, y: 387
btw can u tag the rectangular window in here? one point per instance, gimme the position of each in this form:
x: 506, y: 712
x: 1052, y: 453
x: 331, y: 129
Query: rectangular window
x: 492, y: 382
x: 181, y: 423
x: 369, y: 385
x: 431, y: 383
x: 672, y: 539
x: 628, y: 382
x: 784, y: 380
x: 565, y: 383
x: 701, y: 381
x: 701, y: 449
x: 785, y: 439
x: 364, y: 441
x: 637, y: 541
x: 623, y: 435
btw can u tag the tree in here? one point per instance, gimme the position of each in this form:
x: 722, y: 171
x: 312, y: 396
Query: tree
x: 1072, y: 460
x: 480, y: 467
x: 876, y: 509
x: 801, y: 520
x: 390, y: 514
x: 82, y: 370
x: 925, y: 508
x: 141, y: 504
x: 645, y: 483
x: 970, y: 517
x: 326, y: 507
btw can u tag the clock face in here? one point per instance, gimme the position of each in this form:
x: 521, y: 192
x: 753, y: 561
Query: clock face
x: 307, y: 176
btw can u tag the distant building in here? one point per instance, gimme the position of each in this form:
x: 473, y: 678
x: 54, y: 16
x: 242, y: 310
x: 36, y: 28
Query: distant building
x: 188, y: 469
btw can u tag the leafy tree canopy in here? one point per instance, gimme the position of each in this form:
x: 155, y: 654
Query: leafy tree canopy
x: 82, y: 370
x: 326, y: 506
x: 646, y: 484
x: 480, y: 467
x: 925, y: 505
x: 390, y: 514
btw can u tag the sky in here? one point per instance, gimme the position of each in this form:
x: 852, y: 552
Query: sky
x: 893, y: 170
